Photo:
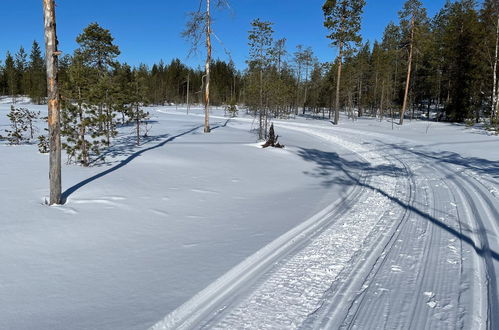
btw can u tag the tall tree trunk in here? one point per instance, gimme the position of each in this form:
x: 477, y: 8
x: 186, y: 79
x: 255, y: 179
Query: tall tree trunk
x: 207, y: 67
x: 306, y: 90
x: 261, y: 134
x: 381, y: 111
x: 495, y: 93
x: 53, y: 102
x: 188, y: 87
x: 360, y: 114
x: 298, y: 88
x: 408, y: 79
x: 338, y: 81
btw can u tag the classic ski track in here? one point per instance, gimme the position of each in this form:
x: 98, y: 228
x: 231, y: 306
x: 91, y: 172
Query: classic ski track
x: 224, y: 290
x: 198, y: 309
x: 361, y: 280
x: 475, y: 320
x: 353, y: 282
x: 492, y: 305
x: 213, y: 299
x: 235, y: 320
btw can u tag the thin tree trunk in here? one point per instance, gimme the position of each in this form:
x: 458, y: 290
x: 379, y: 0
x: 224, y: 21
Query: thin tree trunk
x: 338, y: 81
x: 260, y: 132
x: 137, y: 124
x: 53, y: 102
x: 306, y: 89
x: 188, y: 86
x: 207, y: 66
x: 360, y: 114
x: 381, y: 112
x: 408, y: 79
x: 495, y: 93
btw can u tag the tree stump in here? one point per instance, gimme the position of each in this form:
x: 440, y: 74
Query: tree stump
x: 272, y: 139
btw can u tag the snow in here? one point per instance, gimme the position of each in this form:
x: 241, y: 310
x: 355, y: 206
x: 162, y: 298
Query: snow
x: 355, y: 225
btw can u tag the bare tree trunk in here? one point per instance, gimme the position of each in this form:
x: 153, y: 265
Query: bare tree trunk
x: 306, y: 88
x: 207, y: 66
x: 409, y: 66
x: 137, y: 124
x: 298, y: 88
x: 260, y: 112
x: 495, y: 93
x: 360, y: 113
x: 381, y: 111
x: 53, y: 102
x: 338, y: 80
x: 188, y: 86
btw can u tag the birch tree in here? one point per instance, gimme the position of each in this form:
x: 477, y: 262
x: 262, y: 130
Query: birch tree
x: 343, y: 20
x: 51, y: 57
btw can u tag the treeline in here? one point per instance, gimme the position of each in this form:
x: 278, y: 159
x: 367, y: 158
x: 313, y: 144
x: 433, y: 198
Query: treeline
x: 452, y: 64
x: 23, y: 74
x: 445, y: 64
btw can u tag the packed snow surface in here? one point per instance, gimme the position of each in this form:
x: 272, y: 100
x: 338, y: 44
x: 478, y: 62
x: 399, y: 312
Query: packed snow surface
x: 350, y: 226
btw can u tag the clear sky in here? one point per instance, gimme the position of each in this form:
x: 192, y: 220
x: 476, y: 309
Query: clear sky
x: 149, y: 30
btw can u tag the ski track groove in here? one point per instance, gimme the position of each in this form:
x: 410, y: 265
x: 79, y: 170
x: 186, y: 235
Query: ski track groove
x: 355, y: 279
x: 405, y: 272
x: 251, y: 311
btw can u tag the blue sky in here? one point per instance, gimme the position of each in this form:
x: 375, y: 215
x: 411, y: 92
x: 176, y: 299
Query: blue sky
x: 149, y: 30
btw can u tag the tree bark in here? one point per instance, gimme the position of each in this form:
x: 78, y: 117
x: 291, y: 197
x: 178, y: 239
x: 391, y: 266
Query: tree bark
x: 495, y: 93
x: 207, y: 67
x: 338, y: 80
x: 53, y: 102
x: 409, y: 66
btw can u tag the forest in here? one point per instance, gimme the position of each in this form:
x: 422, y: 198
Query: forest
x: 453, y: 57
x: 437, y: 68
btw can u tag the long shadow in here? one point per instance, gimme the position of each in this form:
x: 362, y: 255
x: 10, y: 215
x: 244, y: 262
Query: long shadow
x: 479, y: 165
x: 329, y: 161
x: 121, y: 164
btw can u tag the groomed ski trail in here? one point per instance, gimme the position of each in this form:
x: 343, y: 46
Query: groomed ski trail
x: 409, y: 247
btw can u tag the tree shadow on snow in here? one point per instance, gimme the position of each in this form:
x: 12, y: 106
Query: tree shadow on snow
x: 124, y: 147
x: 329, y: 162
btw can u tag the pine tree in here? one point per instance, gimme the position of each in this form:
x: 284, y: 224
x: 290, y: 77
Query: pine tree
x: 18, y: 125
x: 343, y: 20
x: 138, y: 99
x: 412, y: 18
x: 460, y: 36
x: 98, y: 51
x: 80, y: 118
x: 260, y: 44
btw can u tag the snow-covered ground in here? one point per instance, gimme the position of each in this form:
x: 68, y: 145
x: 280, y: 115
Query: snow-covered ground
x: 352, y: 226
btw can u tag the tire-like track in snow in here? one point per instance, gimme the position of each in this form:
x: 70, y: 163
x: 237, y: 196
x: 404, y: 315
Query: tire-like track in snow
x: 409, y: 247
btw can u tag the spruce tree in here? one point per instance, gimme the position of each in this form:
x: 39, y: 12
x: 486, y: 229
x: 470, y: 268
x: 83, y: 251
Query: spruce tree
x: 21, y: 66
x: 11, y: 76
x: 37, y: 81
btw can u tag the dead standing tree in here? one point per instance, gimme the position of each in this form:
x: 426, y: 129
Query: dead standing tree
x: 199, y: 25
x: 53, y: 102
